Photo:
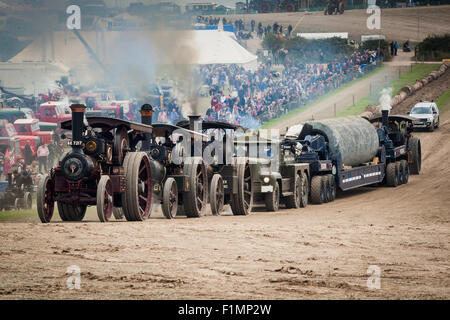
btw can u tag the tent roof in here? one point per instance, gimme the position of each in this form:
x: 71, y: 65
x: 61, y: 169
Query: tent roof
x: 161, y: 47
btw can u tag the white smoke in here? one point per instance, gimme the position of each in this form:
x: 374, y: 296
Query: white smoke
x: 385, y: 99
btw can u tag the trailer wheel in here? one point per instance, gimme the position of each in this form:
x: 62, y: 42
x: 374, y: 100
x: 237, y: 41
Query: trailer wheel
x: 326, y: 183
x: 305, y: 190
x: 242, y: 201
x: 392, y: 175
x: 118, y: 213
x: 294, y: 201
x: 405, y: 166
x: 416, y: 155
x: 332, y: 183
x: 317, y: 190
x: 170, y: 198
x: 104, y: 199
x: 400, y: 172
x: 195, y: 199
x: 272, y: 199
x: 137, y: 199
x: 216, y: 194
x: 45, y: 199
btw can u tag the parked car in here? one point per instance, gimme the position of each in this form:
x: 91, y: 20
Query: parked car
x: 428, y: 115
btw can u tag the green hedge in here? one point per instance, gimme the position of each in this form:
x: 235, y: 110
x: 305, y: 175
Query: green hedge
x: 434, y: 48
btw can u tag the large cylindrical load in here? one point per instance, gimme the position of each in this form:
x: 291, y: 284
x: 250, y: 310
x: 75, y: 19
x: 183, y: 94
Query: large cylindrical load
x: 353, y: 139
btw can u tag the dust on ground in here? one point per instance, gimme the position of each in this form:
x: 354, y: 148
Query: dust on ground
x: 320, y: 252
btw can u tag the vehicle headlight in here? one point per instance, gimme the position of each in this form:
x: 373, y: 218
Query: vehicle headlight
x: 266, y: 179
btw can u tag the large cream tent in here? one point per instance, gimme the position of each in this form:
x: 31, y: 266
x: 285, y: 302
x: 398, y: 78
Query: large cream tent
x: 163, y: 47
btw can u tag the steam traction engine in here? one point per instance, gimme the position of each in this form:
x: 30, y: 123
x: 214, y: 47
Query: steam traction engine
x: 103, y: 168
x: 179, y: 177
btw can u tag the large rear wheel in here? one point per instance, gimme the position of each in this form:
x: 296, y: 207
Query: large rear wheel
x: 137, y: 199
x: 45, y: 199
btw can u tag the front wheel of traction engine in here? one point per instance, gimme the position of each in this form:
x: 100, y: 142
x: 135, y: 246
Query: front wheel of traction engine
x: 69, y: 212
x: 136, y: 200
x: 217, y: 194
x: 170, y: 198
x: 242, y: 199
x: 45, y: 199
x: 195, y: 198
x: 104, y: 199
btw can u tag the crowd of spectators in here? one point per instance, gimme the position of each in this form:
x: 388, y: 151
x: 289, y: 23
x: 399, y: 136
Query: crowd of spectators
x: 249, y: 98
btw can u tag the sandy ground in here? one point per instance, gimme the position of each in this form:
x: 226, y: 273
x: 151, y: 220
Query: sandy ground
x: 321, y: 252
x: 398, y: 24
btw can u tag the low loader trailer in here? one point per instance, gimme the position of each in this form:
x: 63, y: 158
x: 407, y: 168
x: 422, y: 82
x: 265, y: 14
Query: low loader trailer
x: 352, y: 152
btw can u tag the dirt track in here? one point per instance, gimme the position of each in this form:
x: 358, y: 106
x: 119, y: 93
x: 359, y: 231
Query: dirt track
x: 320, y: 252
x: 398, y: 24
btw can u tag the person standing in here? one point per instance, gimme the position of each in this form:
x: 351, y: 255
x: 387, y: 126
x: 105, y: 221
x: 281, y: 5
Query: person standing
x: 395, y: 48
x: 392, y: 48
x: 28, y: 153
x: 52, y: 149
x: 42, y: 154
x: 7, y: 167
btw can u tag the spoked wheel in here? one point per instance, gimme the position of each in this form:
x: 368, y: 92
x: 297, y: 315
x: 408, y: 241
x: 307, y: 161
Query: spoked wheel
x: 305, y: 190
x: 27, y: 200
x: 17, y: 204
x: 118, y: 213
x: 45, y: 199
x: 295, y: 200
x: 195, y: 199
x: 104, y: 199
x: 121, y: 144
x: 217, y: 194
x: 170, y: 198
x: 137, y: 199
x: 242, y: 200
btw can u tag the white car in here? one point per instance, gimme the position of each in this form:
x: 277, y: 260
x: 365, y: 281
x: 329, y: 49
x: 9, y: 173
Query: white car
x: 427, y: 114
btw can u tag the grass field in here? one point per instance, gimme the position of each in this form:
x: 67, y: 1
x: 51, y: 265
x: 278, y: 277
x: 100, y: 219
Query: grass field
x: 418, y: 72
x: 443, y: 102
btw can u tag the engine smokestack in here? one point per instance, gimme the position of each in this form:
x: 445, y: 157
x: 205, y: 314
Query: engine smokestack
x: 192, y: 120
x: 146, y: 118
x: 385, y: 117
x: 77, y: 124
x: 146, y: 114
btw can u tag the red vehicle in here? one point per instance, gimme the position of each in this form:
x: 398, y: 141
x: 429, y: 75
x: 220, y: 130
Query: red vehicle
x: 30, y: 127
x: 9, y: 138
x: 104, y: 100
x: 54, y: 111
